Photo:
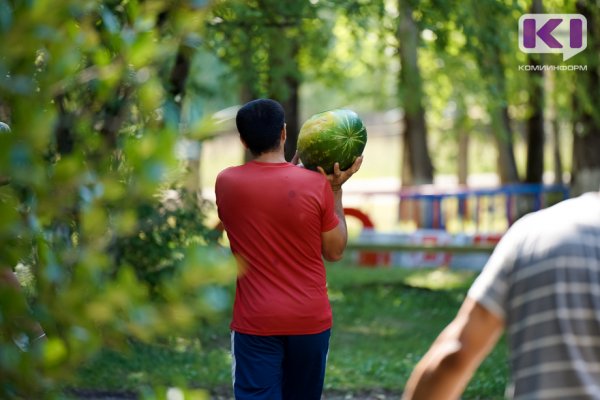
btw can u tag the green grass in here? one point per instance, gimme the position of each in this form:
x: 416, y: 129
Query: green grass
x: 384, y: 321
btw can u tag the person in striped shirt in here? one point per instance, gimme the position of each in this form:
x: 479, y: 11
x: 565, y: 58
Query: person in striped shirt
x: 541, y: 287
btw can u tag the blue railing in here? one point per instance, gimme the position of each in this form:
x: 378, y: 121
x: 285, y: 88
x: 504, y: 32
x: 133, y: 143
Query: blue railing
x: 498, y: 207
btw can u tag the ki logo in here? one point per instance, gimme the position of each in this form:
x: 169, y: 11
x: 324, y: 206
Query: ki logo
x: 553, y: 33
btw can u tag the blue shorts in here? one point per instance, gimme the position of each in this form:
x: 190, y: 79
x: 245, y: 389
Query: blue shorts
x: 279, y: 367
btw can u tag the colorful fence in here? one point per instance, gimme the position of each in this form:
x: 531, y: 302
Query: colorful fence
x: 487, y: 209
x: 478, y: 217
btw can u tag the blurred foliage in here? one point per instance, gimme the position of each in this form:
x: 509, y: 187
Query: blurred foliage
x: 247, y: 36
x: 167, y: 228
x: 88, y: 90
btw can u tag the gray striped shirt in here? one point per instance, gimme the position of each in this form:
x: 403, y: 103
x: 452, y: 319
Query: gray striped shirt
x: 544, y: 281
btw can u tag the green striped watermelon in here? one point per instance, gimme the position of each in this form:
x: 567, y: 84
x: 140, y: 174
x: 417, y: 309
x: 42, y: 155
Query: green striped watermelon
x: 332, y: 136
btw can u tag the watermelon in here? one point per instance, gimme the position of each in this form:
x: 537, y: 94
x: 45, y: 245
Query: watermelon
x: 332, y: 136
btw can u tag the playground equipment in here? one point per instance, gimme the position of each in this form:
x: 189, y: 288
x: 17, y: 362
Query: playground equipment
x: 456, y: 228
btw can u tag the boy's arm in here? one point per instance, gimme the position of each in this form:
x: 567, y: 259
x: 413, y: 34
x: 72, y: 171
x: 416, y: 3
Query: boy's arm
x: 334, y: 241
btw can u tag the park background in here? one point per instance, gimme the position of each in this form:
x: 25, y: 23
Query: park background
x: 121, y: 116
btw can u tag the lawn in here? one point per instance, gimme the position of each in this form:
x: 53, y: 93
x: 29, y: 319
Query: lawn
x: 384, y: 320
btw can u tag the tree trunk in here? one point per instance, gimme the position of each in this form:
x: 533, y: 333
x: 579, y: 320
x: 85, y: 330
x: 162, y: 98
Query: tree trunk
x: 492, y: 64
x: 555, y: 130
x: 115, y: 112
x: 462, y: 125
x: 180, y: 73
x: 63, y: 132
x: 586, y: 162
x: 558, y: 168
x: 463, y: 157
x: 177, y: 90
x: 586, y: 135
x: 411, y: 93
x: 535, y: 123
x: 489, y: 58
x: 535, y: 129
x: 291, y: 107
x: 507, y: 166
x: 249, y: 84
x: 284, y: 83
x: 246, y: 95
x: 406, y: 169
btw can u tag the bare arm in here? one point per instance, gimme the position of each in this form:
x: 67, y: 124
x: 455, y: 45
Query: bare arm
x: 334, y: 241
x: 447, y: 367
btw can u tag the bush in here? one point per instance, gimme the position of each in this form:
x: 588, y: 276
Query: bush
x: 167, y: 228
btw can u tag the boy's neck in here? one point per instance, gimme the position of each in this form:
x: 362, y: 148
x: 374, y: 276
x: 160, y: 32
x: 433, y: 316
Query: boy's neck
x: 271, y: 157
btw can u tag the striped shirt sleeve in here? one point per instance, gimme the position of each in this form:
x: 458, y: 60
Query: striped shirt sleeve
x: 491, y: 287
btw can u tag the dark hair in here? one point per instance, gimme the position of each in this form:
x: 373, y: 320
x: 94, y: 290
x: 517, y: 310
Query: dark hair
x: 259, y: 123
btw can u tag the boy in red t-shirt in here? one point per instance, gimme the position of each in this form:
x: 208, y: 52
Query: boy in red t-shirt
x: 281, y: 221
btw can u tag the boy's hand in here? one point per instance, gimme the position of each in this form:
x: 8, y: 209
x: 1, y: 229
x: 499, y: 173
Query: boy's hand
x: 338, y: 177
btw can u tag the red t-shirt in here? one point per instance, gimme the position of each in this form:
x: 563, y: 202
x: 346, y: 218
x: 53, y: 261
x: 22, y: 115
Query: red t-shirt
x: 274, y: 214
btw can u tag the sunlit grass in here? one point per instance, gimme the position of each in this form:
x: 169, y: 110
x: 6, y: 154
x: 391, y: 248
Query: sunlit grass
x: 439, y: 279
